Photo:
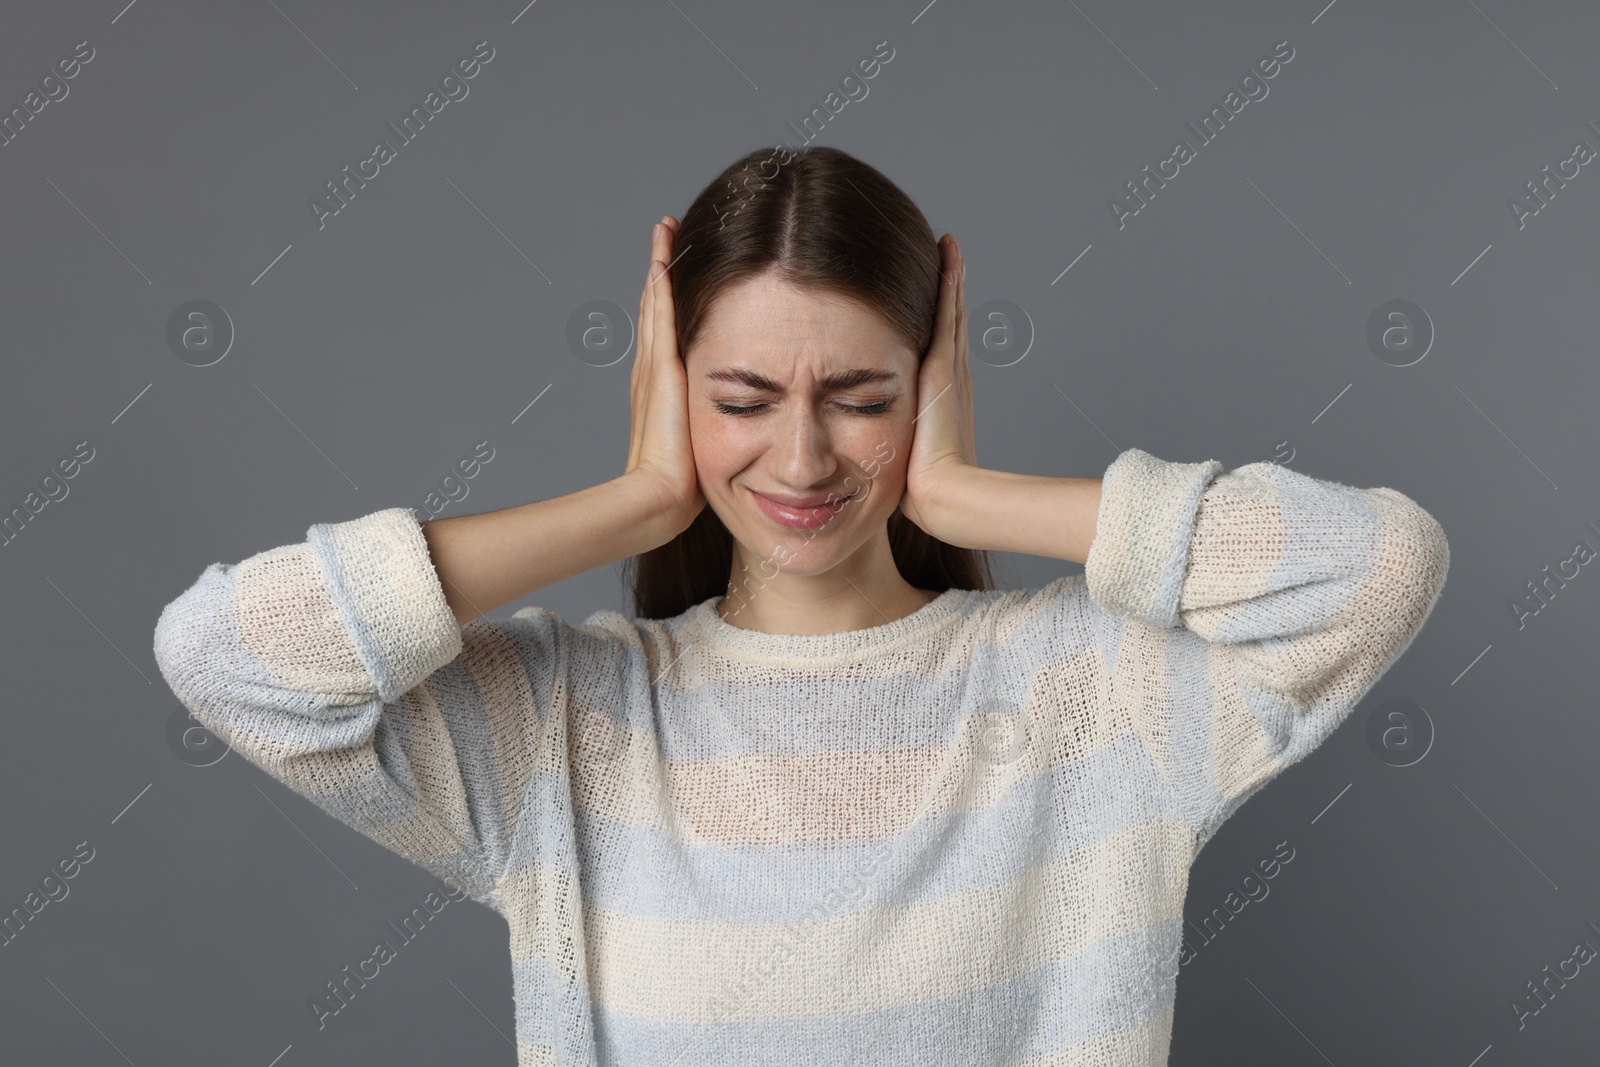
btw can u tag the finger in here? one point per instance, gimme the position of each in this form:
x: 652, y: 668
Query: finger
x: 661, y: 243
x: 641, y: 341
x: 954, y: 268
x: 655, y: 250
x: 660, y: 250
x: 947, y: 280
x: 663, y: 343
x: 969, y: 417
x: 959, y: 370
x: 644, y: 293
x: 641, y: 373
x: 647, y: 300
x: 641, y: 349
x: 961, y: 284
x: 935, y: 378
x: 960, y: 327
x: 644, y: 302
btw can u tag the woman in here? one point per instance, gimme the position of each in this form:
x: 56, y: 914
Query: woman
x: 828, y: 797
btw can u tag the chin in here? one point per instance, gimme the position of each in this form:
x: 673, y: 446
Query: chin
x: 792, y: 551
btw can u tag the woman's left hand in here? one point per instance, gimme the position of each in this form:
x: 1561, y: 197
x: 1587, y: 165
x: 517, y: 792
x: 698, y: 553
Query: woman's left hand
x: 944, y: 440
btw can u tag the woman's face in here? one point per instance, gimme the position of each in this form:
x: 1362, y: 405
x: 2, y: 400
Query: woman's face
x: 828, y: 393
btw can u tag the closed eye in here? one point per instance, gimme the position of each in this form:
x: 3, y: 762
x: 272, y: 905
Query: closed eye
x: 877, y: 408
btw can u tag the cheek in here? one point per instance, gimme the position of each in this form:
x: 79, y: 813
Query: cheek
x: 884, y: 449
x: 882, y: 454
x: 713, y: 442
x: 723, y: 449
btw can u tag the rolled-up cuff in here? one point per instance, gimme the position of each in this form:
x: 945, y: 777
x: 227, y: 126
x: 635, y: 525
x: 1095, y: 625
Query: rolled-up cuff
x: 1141, y: 545
x: 382, y: 580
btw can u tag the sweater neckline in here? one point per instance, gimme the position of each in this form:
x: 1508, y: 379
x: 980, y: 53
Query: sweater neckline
x: 869, y: 640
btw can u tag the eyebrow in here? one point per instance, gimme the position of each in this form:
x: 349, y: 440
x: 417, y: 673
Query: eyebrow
x: 845, y: 379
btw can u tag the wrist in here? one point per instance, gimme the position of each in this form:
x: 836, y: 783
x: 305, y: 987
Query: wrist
x: 945, y: 505
x: 655, y: 512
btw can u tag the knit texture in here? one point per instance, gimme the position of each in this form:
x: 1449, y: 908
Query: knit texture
x: 962, y: 837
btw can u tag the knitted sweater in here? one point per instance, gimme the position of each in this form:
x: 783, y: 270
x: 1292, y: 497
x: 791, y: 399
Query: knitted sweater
x: 962, y: 837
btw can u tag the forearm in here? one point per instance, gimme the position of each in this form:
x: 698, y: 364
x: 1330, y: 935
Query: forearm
x: 999, y: 511
x: 485, y: 561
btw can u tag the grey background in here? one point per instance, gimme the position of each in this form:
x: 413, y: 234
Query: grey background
x: 1221, y: 321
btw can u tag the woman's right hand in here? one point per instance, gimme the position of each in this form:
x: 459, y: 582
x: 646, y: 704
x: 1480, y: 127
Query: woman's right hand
x: 660, y: 455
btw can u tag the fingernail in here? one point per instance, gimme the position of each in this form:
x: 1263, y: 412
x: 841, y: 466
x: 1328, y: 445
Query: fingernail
x: 655, y: 231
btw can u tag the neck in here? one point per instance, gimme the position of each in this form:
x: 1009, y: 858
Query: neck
x: 864, y: 590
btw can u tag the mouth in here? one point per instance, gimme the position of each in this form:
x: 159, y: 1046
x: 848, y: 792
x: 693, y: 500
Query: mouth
x: 800, y: 512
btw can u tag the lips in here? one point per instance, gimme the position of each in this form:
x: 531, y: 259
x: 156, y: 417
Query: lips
x: 800, y: 512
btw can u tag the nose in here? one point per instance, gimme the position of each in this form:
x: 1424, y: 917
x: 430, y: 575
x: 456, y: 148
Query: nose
x: 804, y: 452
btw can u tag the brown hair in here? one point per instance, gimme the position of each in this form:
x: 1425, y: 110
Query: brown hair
x: 819, y: 219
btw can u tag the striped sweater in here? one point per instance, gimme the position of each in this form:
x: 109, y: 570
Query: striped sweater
x: 961, y: 837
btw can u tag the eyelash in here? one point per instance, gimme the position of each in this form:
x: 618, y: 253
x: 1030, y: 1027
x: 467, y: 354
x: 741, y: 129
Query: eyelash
x: 869, y: 409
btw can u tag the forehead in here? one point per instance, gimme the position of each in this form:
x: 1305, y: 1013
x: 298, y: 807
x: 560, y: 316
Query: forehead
x: 768, y: 322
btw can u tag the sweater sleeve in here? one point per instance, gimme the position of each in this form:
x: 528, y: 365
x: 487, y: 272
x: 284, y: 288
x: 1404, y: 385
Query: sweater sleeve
x: 336, y: 666
x: 1249, y: 611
